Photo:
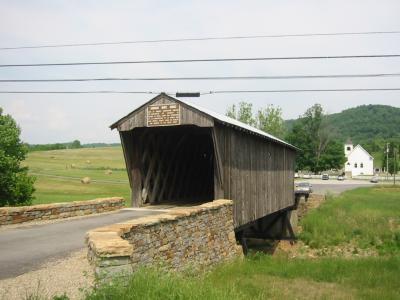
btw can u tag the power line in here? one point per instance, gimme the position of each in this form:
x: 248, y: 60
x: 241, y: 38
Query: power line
x: 207, y: 93
x: 204, y: 78
x: 204, y: 60
x: 300, y: 90
x: 201, y: 39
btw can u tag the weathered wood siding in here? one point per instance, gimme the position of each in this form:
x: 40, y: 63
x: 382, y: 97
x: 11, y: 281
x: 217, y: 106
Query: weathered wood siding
x: 253, y: 171
x: 257, y: 173
x: 188, y: 116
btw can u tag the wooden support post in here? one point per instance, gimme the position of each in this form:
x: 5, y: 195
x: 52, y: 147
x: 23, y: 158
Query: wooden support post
x: 242, y: 240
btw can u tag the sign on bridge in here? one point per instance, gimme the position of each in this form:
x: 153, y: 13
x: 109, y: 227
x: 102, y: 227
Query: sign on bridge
x: 163, y: 115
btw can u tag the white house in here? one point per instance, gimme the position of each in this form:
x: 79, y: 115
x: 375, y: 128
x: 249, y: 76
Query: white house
x: 359, y: 161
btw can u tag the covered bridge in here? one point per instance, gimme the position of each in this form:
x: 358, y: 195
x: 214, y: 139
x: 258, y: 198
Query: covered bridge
x: 180, y: 153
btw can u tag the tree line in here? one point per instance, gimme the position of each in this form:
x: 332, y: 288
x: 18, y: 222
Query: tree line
x: 76, y: 144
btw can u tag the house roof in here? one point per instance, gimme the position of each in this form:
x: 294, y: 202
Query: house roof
x: 216, y: 116
x: 360, y: 147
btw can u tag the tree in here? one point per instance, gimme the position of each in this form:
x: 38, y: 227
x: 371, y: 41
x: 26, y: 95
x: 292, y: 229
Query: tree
x: 244, y: 114
x: 314, y: 136
x: 268, y: 119
x: 16, y: 186
x: 394, y: 164
x: 76, y: 144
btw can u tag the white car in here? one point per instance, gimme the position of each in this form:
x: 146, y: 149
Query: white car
x: 340, y: 178
x: 374, y: 179
x: 307, y: 176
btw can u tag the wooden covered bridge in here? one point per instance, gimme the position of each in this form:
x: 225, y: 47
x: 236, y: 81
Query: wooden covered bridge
x: 176, y: 152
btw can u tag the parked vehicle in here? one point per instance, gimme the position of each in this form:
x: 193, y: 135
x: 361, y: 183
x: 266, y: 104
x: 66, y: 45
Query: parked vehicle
x: 296, y: 175
x: 304, y: 187
x: 325, y: 177
x: 340, y: 178
x: 374, y: 179
x: 307, y: 176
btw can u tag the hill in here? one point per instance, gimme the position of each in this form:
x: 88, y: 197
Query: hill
x: 365, y: 123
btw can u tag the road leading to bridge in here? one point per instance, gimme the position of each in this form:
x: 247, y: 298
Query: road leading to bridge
x: 25, y: 248
x: 334, y: 186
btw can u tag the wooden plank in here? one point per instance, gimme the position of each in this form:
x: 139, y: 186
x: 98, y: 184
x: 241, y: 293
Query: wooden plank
x: 136, y: 174
x: 218, y: 158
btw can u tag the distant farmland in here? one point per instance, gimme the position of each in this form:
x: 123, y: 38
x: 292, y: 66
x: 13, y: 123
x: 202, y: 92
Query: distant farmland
x: 59, y: 172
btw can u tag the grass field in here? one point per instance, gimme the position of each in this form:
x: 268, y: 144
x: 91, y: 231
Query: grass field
x: 364, y: 218
x: 59, y: 172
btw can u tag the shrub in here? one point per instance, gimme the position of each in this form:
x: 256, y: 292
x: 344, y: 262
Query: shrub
x: 16, y: 186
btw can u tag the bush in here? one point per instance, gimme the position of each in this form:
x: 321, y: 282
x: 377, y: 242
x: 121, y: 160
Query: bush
x: 16, y: 186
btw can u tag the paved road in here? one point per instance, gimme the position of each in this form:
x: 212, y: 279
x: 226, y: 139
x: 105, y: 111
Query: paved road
x: 336, y: 187
x: 26, y: 248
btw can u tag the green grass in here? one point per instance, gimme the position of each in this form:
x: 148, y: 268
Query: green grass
x: 365, y: 217
x: 264, y: 277
x: 59, y: 172
x: 362, y: 216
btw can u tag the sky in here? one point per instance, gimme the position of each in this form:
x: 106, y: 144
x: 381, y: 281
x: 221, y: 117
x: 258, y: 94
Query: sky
x: 45, y: 118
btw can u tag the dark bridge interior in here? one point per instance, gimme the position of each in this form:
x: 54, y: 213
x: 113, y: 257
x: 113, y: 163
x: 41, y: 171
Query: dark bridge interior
x: 176, y: 164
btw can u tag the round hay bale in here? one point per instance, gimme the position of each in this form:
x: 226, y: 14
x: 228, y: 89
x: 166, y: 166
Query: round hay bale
x: 88, y: 162
x: 85, y: 180
x: 108, y: 172
x: 73, y: 166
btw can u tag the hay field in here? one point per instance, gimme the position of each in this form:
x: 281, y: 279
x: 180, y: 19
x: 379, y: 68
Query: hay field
x: 59, y: 174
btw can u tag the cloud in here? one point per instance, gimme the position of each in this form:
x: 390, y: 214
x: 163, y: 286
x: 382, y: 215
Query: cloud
x: 21, y: 111
x: 57, y: 119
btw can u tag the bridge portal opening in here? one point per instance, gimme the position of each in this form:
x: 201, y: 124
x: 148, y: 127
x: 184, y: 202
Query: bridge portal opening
x: 175, y: 164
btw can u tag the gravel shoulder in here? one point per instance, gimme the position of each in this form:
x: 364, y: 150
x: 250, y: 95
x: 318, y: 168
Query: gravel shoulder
x: 71, y: 275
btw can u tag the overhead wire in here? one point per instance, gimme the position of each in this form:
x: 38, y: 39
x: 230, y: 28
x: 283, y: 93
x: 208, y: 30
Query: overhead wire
x: 204, y: 60
x: 261, y: 77
x: 207, y: 92
x: 209, y: 38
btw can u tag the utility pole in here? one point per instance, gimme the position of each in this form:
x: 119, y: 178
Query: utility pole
x: 387, y: 161
x: 394, y: 166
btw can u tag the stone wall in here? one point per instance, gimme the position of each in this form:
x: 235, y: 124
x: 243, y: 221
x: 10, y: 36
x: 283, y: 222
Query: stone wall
x: 192, y: 237
x: 21, y: 214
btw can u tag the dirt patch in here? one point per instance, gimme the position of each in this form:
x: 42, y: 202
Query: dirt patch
x: 313, y: 202
x: 301, y: 250
x: 69, y: 276
x: 283, y: 288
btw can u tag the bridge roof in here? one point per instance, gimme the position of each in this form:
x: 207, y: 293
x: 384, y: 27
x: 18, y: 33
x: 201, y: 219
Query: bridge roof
x: 216, y: 116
